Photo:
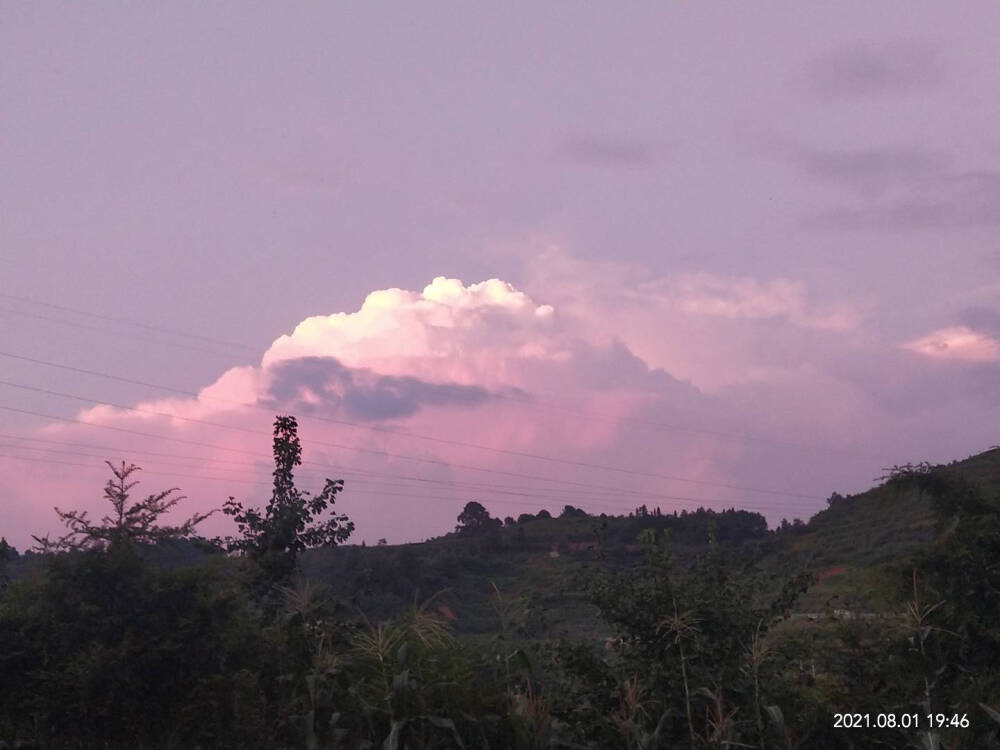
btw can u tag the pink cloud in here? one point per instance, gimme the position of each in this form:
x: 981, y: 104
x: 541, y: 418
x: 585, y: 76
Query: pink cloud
x: 485, y: 374
x: 569, y: 393
x: 958, y: 343
x: 466, y: 334
x: 751, y: 299
x: 710, y: 329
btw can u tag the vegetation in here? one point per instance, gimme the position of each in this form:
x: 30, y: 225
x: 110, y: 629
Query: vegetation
x: 291, y: 521
x: 687, y: 630
x: 127, y: 524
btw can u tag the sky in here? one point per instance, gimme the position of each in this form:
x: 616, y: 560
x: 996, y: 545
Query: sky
x: 541, y: 254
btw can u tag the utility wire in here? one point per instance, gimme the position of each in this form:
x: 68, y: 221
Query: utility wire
x: 567, y: 482
x: 529, y: 500
x: 521, y: 504
x: 456, y: 487
x: 345, y: 423
x: 533, y: 403
x: 588, y: 498
x: 624, y: 493
x: 122, y: 321
x: 524, y: 402
x: 105, y: 331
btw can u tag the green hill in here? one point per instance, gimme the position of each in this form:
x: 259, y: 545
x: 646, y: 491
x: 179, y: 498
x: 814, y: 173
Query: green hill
x: 856, y: 548
x: 537, y: 568
x: 645, y: 630
x: 857, y: 540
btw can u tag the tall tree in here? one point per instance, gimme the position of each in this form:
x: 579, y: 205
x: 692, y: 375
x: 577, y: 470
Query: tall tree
x: 292, y: 520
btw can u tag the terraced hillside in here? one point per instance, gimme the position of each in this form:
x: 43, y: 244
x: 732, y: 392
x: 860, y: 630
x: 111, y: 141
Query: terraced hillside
x: 858, y: 547
x: 859, y: 542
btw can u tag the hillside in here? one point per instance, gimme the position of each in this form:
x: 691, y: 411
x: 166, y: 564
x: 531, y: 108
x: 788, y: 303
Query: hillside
x: 540, y: 566
x: 857, y: 540
x: 575, y: 631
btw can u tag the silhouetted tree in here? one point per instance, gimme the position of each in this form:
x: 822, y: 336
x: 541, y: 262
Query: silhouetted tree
x: 126, y: 524
x: 7, y: 553
x: 291, y: 521
x: 475, y: 519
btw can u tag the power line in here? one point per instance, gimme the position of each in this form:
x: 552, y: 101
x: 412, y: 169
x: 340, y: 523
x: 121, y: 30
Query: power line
x: 741, y: 437
x: 533, y: 403
x: 570, y: 483
x: 379, y: 493
x: 355, y: 425
x: 396, y: 455
x: 397, y: 485
x: 456, y: 487
x: 519, y: 402
x: 114, y: 449
x: 105, y: 331
x: 624, y: 493
x: 137, y: 324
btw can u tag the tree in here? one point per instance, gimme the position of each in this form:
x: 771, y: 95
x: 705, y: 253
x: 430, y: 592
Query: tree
x: 105, y: 650
x: 126, y: 524
x: 292, y: 521
x: 475, y: 519
x: 7, y: 553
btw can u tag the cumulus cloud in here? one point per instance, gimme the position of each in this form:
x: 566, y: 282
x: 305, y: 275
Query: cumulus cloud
x: 449, y: 331
x: 452, y: 384
x: 425, y: 399
x: 959, y: 343
x: 708, y: 329
x: 322, y: 385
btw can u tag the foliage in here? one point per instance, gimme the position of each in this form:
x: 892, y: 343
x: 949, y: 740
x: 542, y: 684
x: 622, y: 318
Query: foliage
x: 957, y: 635
x: 654, y: 630
x: 693, y: 642
x: 410, y: 683
x: 103, y: 651
x: 292, y: 521
x: 127, y: 524
x: 475, y: 519
x: 7, y: 553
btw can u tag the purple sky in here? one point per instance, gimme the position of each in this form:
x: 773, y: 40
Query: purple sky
x: 755, y: 247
